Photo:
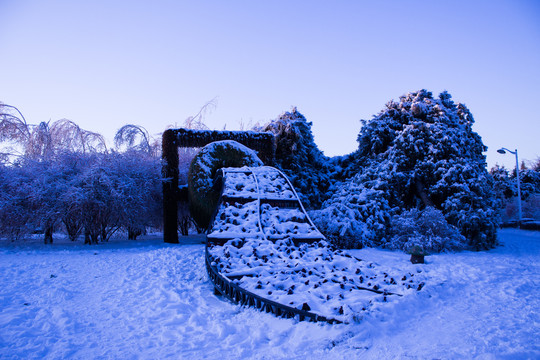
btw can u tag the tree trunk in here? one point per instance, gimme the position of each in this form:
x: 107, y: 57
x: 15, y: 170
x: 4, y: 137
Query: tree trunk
x: 104, y: 236
x: 73, y: 228
x: 87, y: 239
x: 133, y: 233
x: 48, y: 235
x: 421, y: 192
x: 184, y: 225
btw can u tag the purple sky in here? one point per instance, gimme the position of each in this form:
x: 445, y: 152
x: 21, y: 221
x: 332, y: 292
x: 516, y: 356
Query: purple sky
x: 103, y: 64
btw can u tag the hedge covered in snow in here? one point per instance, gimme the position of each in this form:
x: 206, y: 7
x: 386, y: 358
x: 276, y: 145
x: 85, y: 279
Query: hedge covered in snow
x: 203, y: 198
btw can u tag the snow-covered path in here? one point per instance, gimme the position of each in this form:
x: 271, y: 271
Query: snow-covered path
x: 149, y: 300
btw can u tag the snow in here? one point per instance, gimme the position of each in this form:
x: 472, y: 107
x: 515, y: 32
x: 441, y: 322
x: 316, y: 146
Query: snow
x: 239, y: 182
x: 240, y: 214
x: 314, y: 277
x: 151, y: 300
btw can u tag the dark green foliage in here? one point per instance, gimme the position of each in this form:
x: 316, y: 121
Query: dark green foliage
x: 416, y: 153
x: 262, y: 143
x: 299, y: 158
x: 203, y: 196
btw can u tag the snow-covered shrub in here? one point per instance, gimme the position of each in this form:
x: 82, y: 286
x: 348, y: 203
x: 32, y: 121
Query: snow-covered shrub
x: 299, y: 158
x: 15, y: 207
x: 357, y: 215
x: 421, y: 152
x: 120, y: 190
x: 99, y: 193
x: 138, y: 191
x: 427, y: 229
x: 506, y: 190
x: 203, y: 197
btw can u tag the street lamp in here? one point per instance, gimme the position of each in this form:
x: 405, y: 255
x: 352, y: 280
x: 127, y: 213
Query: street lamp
x: 503, y: 151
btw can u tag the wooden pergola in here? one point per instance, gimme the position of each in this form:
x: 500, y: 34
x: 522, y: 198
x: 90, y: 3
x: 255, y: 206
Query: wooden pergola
x: 173, y: 139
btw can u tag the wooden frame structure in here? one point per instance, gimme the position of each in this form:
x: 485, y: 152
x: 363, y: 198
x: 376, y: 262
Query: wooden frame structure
x: 172, y: 139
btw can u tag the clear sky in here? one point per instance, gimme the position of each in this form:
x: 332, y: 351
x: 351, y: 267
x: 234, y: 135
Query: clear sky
x: 106, y: 63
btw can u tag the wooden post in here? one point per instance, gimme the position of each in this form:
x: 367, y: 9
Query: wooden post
x: 170, y: 187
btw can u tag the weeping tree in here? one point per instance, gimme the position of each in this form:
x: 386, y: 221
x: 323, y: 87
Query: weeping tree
x: 133, y: 137
x: 40, y: 150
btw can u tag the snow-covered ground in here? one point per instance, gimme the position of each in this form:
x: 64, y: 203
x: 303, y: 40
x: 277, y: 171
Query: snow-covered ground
x: 150, y: 300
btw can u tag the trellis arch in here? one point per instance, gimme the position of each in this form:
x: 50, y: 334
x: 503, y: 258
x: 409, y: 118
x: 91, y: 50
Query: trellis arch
x: 172, y: 139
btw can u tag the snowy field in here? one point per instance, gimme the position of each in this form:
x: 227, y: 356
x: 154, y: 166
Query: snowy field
x: 150, y: 300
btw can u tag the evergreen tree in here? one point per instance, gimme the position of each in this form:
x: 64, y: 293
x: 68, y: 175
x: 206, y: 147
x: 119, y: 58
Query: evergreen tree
x: 299, y: 158
x: 418, y: 152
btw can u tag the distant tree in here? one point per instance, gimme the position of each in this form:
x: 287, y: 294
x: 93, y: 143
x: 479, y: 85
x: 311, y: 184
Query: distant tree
x: 134, y: 138
x: 67, y: 136
x: 506, y: 190
x: 13, y: 131
x: 536, y: 165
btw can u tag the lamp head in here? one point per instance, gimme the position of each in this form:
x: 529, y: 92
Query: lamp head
x: 501, y: 151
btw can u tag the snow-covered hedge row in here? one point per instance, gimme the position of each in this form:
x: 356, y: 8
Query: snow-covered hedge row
x: 95, y: 193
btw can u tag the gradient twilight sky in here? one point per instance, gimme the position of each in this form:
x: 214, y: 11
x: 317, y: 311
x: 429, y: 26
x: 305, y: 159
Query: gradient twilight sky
x: 104, y: 63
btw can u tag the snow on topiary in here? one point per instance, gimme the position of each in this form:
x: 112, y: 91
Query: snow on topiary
x: 416, y: 153
x: 203, y: 197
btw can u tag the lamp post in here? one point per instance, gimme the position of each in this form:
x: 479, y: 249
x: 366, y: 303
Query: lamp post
x: 503, y: 151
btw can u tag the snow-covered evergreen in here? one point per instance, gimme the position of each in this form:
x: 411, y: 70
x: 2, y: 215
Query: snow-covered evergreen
x: 418, y: 152
x: 299, y: 158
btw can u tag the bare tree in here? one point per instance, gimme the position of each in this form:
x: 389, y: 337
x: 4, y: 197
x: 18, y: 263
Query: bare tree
x: 197, y: 121
x: 133, y: 137
x: 68, y: 136
x: 14, y: 131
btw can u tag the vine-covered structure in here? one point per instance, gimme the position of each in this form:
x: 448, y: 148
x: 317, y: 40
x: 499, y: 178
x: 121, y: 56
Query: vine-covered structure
x: 263, y: 143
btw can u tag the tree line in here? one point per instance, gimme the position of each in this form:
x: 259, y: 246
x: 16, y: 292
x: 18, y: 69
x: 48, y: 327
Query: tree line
x: 418, y: 170
x: 58, y: 177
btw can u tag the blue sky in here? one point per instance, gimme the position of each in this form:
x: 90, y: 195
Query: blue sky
x: 104, y: 64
